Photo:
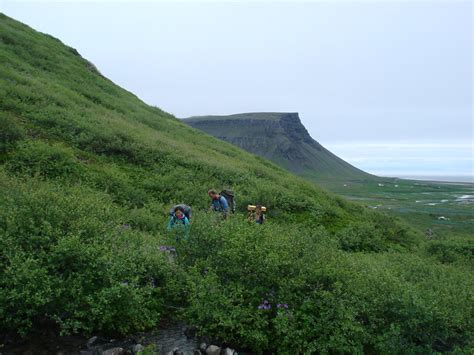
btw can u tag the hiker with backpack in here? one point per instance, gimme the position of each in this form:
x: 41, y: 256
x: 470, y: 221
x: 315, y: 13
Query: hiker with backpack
x: 256, y: 214
x: 179, y: 222
x: 223, y: 202
x: 184, y: 208
x: 230, y: 197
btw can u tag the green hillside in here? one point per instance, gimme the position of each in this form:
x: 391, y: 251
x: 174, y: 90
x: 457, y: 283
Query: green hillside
x: 281, y: 138
x: 88, y: 173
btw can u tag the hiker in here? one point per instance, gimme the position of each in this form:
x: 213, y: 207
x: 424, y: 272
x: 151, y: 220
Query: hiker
x: 179, y: 223
x: 184, y: 208
x: 259, y: 214
x: 256, y: 213
x: 218, y: 203
x: 230, y: 197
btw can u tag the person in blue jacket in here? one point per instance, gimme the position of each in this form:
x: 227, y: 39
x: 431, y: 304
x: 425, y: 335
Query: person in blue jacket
x: 179, y: 223
x: 218, y: 203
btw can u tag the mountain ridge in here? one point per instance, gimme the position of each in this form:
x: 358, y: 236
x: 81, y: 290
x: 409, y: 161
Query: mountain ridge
x: 282, y: 138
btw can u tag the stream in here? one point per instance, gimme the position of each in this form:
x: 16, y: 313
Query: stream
x: 166, y: 339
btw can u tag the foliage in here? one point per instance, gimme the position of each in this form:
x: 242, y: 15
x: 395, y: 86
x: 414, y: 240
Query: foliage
x: 42, y: 159
x: 87, y: 175
x: 448, y: 251
x: 80, y: 266
x: 10, y: 134
x: 322, y: 299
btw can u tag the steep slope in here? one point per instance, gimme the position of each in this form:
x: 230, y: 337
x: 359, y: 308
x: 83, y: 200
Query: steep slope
x: 53, y: 99
x: 87, y: 175
x: 281, y: 138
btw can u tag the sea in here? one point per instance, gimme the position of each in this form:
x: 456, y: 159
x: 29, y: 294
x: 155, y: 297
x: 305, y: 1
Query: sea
x: 444, y: 178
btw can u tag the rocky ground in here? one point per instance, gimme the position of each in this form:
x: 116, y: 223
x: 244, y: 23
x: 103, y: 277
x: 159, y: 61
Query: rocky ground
x: 173, y: 339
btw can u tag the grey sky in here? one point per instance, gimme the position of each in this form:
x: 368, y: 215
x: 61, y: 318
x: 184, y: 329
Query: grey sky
x: 357, y: 71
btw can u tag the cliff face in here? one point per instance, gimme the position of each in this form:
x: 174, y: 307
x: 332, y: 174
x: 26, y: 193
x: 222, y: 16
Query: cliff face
x: 281, y: 138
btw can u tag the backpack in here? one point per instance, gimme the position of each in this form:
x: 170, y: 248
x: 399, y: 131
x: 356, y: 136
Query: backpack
x: 229, y: 196
x: 183, y: 208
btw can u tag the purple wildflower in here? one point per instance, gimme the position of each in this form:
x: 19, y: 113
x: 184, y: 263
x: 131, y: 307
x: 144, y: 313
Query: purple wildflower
x: 265, y: 305
x: 282, y: 305
x: 126, y: 226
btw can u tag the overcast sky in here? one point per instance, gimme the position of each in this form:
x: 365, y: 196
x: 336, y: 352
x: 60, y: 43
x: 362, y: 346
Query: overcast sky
x: 387, y: 85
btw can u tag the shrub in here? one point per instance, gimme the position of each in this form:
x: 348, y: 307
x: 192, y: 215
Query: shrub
x: 10, y: 134
x: 450, y: 251
x: 26, y: 291
x: 150, y: 218
x: 47, y: 160
x: 362, y: 237
x: 66, y: 257
x: 319, y: 299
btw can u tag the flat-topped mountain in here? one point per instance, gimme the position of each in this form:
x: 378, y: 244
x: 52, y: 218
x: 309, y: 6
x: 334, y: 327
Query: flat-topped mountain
x: 281, y: 138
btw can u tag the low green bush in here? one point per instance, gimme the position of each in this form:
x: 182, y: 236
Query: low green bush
x: 10, y: 133
x: 68, y: 257
x: 292, y: 290
x: 37, y: 158
x: 452, y: 250
x: 362, y: 237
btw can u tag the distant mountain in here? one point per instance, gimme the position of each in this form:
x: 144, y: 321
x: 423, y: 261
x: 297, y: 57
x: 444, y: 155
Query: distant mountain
x: 281, y: 138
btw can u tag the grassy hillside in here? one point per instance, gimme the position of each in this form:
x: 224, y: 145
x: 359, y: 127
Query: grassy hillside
x: 87, y: 175
x: 281, y: 138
